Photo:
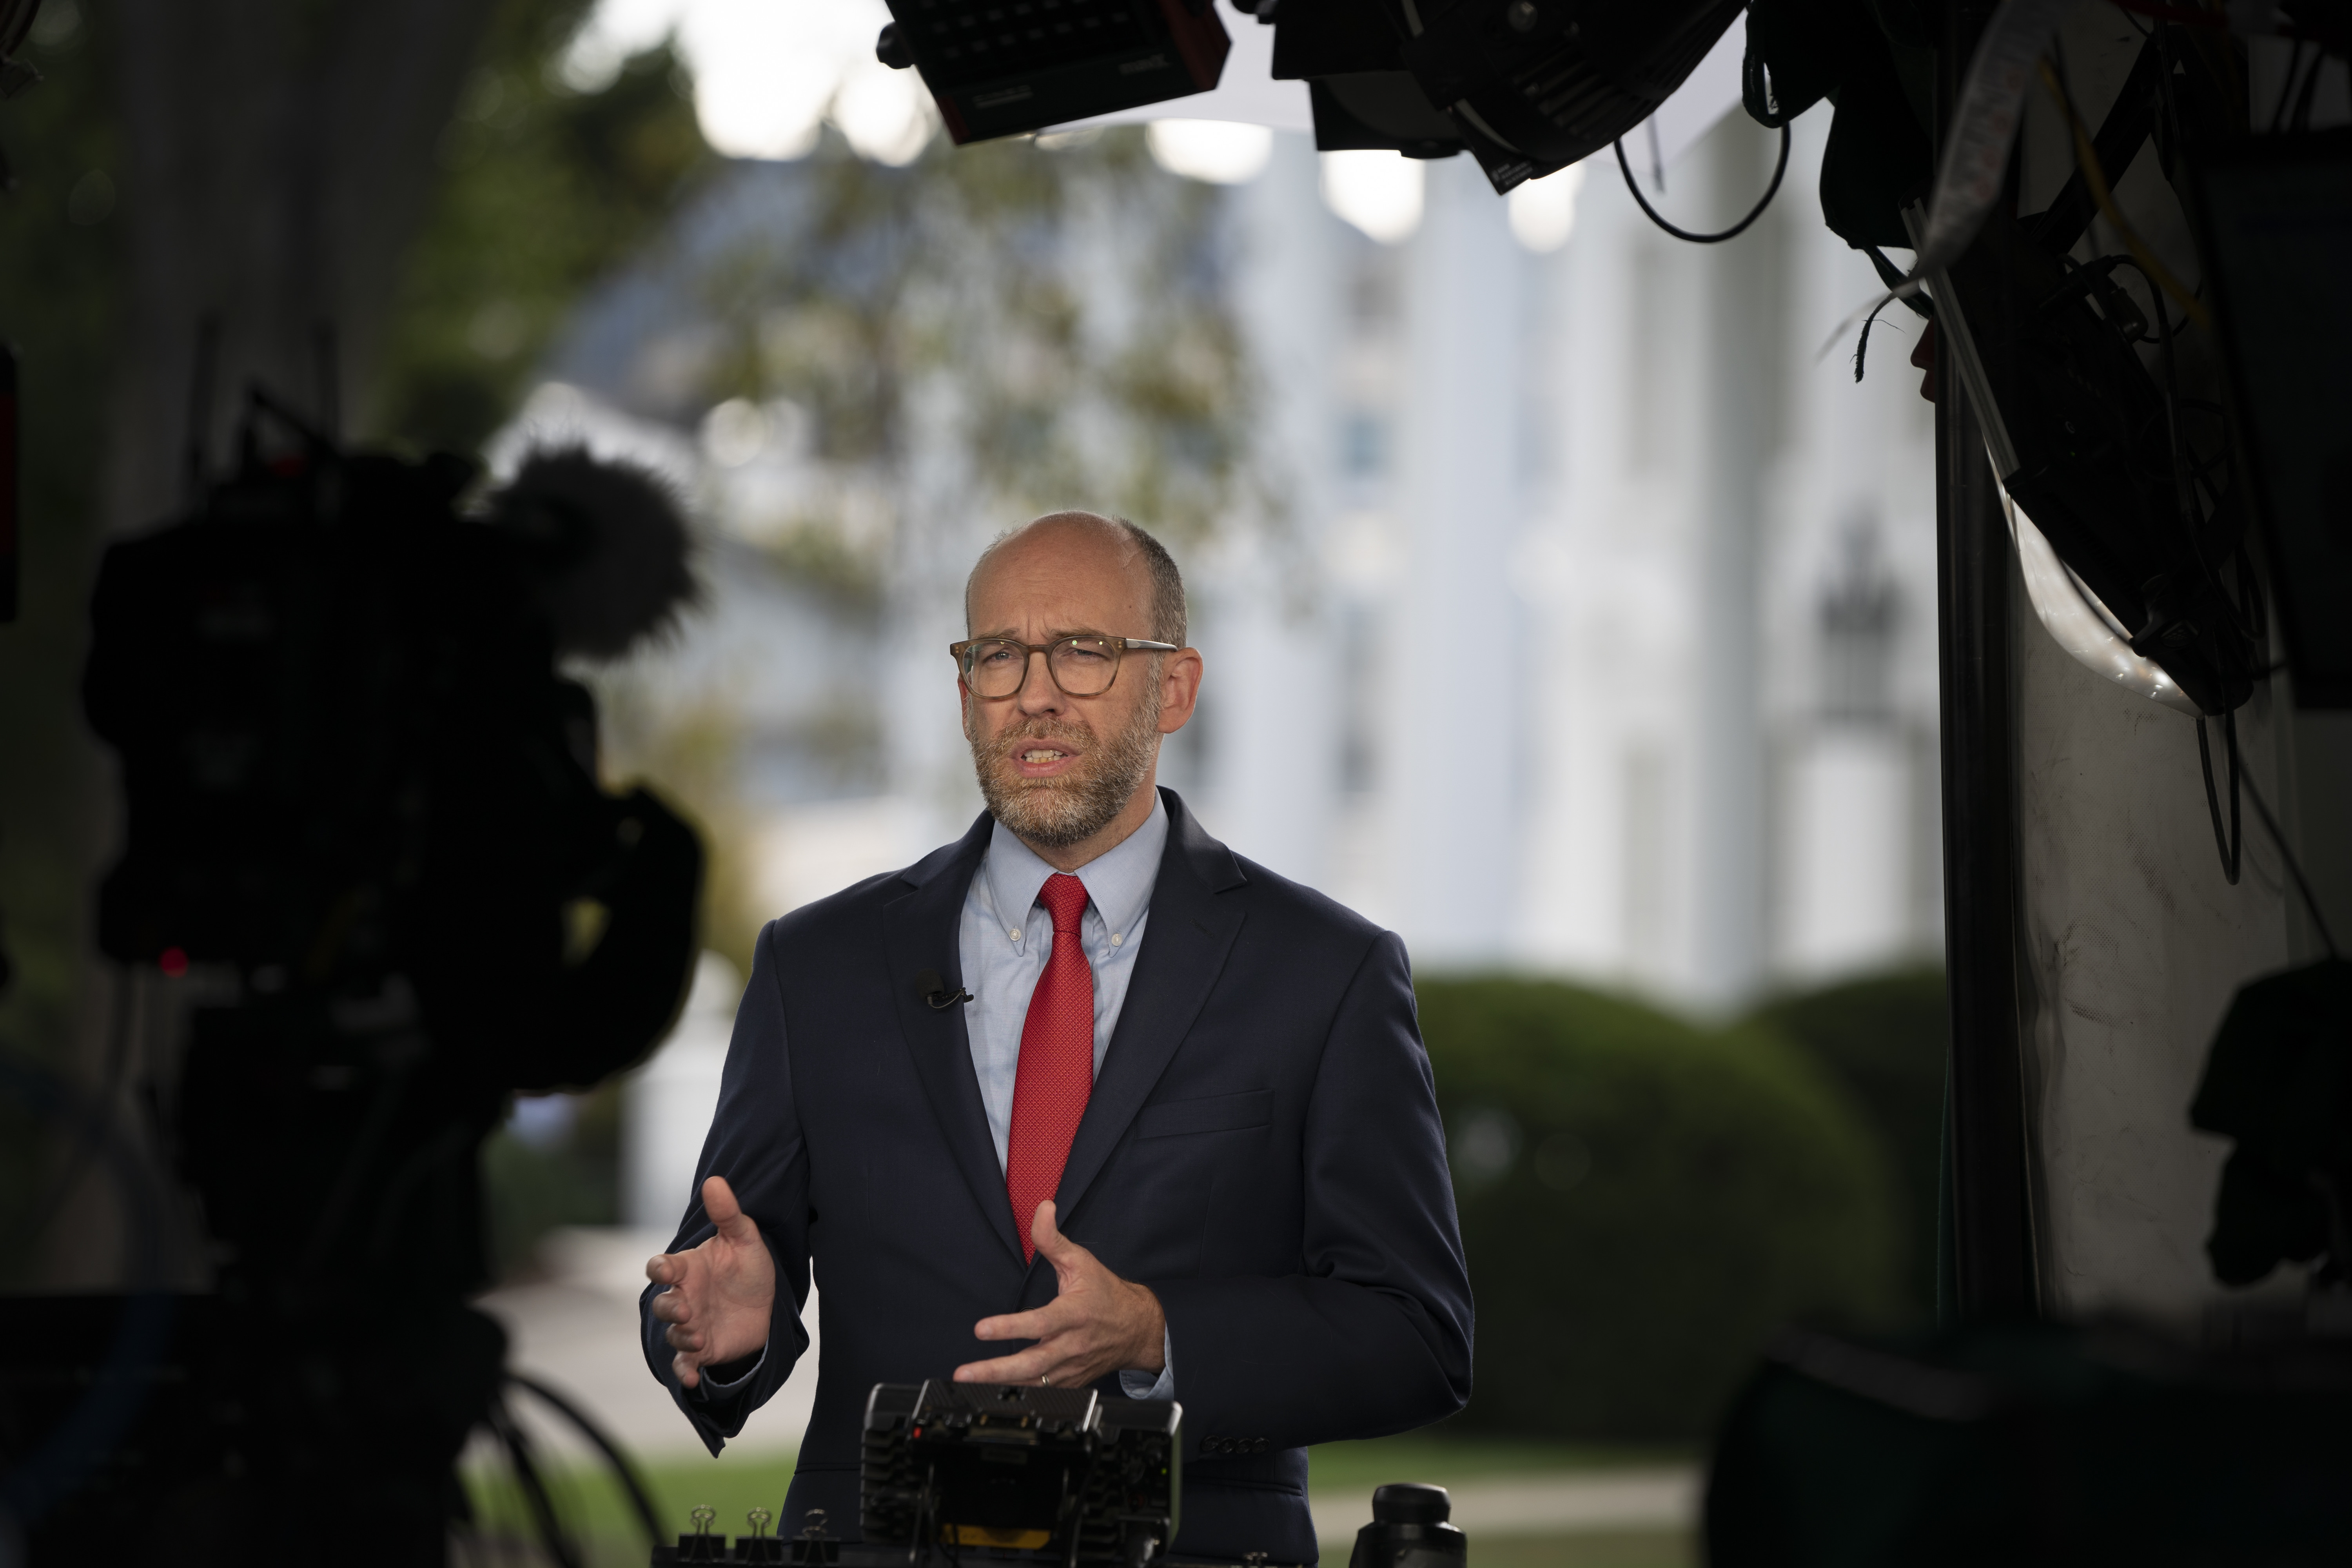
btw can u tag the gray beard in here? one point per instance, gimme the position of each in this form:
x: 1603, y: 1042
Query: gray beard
x: 1059, y: 812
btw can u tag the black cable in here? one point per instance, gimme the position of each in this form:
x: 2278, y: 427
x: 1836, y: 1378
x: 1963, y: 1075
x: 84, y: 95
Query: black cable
x: 2243, y: 616
x: 2258, y: 608
x: 1737, y: 229
x: 630, y: 1482
x: 534, y: 1488
x: 2310, y: 900
x: 1862, y: 343
x: 2233, y: 843
x: 2184, y: 498
x: 1892, y: 276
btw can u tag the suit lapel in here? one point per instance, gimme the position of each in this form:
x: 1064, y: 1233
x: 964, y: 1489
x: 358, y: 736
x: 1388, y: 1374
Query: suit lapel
x: 1184, y: 946
x: 922, y: 931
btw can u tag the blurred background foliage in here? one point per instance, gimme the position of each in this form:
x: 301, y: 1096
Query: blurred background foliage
x: 542, y: 1173
x: 996, y: 329
x: 1644, y: 1200
x: 544, y: 189
x: 690, y: 753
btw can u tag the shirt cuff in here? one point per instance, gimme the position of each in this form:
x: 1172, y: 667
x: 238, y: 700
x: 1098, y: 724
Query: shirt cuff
x: 712, y: 1388
x: 1164, y: 1386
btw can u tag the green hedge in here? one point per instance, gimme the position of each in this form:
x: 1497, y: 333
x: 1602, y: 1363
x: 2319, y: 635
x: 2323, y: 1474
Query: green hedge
x: 529, y: 1189
x: 1643, y: 1203
x: 1883, y: 1037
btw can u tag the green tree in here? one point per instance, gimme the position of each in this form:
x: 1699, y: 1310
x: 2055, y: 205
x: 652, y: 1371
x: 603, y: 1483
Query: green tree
x: 544, y: 190
x: 1643, y: 1202
x: 990, y: 332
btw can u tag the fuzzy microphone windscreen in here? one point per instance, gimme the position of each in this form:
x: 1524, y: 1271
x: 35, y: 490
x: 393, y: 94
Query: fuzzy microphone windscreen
x: 609, y: 543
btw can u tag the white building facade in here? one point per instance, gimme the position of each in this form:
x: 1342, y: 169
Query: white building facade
x: 1618, y: 590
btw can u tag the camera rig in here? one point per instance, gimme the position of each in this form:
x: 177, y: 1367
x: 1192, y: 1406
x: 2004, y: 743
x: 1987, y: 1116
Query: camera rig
x: 1047, y: 1475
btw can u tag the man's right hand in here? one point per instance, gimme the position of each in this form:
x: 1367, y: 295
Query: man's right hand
x: 720, y: 1294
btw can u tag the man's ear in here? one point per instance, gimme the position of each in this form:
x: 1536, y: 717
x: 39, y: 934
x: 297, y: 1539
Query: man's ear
x: 1180, y: 689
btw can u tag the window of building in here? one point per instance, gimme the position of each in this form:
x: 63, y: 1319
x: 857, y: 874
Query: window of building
x: 1858, y: 611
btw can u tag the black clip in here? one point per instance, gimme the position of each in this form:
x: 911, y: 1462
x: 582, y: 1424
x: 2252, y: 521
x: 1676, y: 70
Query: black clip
x: 934, y: 990
x: 814, y: 1549
x: 702, y: 1546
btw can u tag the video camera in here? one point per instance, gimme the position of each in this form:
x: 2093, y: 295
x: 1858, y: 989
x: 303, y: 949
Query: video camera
x: 1060, y: 1473
x: 1014, y: 1473
x: 362, y: 805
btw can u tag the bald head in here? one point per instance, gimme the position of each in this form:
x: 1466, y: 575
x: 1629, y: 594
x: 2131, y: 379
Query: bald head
x: 1087, y: 542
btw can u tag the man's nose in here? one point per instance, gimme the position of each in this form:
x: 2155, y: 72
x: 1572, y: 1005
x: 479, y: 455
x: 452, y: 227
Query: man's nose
x: 1038, y: 692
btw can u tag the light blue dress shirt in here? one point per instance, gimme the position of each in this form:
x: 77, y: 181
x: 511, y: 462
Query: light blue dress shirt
x: 1007, y: 935
x: 1003, y: 942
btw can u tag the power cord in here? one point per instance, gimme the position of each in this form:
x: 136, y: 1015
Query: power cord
x: 2310, y: 900
x: 517, y: 1442
x: 2094, y: 178
x: 1778, y: 169
x: 630, y: 1482
x: 2233, y: 844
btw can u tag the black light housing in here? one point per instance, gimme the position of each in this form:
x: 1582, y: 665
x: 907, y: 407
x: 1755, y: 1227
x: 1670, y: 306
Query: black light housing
x: 1538, y: 84
x: 1526, y: 87
x: 998, y: 68
x: 1347, y: 53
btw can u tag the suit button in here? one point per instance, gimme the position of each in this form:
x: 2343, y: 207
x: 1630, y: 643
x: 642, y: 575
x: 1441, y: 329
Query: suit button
x: 1257, y: 1446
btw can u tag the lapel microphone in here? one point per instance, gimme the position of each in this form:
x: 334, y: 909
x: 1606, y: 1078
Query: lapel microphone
x: 934, y: 990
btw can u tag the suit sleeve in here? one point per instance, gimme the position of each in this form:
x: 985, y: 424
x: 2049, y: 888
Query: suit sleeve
x: 755, y: 1142
x: 1372, y: 1336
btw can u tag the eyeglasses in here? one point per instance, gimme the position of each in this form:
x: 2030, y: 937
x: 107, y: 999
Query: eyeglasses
x: 1083, y: 665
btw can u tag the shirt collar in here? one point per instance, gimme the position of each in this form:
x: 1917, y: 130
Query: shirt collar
x: 1119, y: 881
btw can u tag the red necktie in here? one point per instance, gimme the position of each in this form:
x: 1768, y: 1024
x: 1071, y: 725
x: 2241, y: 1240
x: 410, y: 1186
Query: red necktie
x: 1057, y: 1062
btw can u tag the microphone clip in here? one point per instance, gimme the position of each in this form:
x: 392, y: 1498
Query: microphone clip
x: 935, y: 993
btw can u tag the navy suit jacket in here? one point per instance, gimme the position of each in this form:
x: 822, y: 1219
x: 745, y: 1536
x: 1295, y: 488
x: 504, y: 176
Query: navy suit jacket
x: 1262, y: 1149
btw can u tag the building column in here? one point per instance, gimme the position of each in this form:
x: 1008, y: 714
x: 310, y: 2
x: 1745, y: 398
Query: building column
x: 1741, y: 317
x: 1455, y: 719
x: 1274, y: 678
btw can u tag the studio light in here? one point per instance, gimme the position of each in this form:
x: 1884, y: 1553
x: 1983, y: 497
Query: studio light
x: 996, y: 69
x: 1526, y: 87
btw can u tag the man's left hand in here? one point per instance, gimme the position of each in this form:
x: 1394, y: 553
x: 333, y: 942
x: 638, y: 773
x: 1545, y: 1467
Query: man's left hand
x: 1098, y: 1323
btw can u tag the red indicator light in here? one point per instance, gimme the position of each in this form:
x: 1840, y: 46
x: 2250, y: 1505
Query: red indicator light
x: 172, y: 962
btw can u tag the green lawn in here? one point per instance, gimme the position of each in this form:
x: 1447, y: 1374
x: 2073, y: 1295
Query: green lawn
x: 1449, y: 1461
x: 736, y: 1482
x: 595, y: 1507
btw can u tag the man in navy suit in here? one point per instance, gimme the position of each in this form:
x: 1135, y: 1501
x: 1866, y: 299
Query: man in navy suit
x: 1082, y: 1098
